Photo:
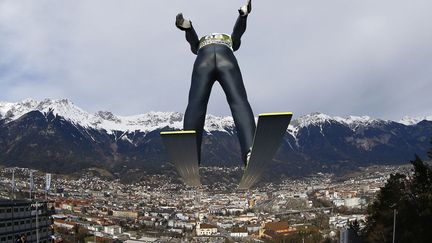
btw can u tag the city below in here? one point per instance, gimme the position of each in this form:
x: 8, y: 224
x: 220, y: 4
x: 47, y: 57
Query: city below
x: 89, y: 208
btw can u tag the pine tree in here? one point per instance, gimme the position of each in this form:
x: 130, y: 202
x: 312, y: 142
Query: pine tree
x: 411, y: 197
x: 379, y: 224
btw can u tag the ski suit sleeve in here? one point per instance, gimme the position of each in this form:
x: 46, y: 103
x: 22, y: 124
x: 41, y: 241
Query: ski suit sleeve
x: 192, y: 38
x: 239, y: 29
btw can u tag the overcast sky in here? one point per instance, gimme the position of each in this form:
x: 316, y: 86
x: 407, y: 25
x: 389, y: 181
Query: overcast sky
x: 360, y: 57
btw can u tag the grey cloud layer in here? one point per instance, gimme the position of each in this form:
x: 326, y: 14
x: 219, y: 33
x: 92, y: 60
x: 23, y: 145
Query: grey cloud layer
x: 337, y: 57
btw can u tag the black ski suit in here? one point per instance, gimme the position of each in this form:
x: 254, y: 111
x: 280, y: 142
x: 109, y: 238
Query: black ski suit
x: 216, y: 62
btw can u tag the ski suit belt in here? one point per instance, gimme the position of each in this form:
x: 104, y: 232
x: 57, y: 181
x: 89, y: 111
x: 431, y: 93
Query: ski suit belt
x: 222, y: 39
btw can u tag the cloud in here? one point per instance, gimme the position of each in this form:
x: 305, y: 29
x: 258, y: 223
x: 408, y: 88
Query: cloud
x: 362, y: 57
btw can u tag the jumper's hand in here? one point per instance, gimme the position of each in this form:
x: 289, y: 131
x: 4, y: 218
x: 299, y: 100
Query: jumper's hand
x: 182, y: 23
x: 246, y: 9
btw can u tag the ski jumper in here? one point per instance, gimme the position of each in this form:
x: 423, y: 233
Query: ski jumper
x: 215, y: 61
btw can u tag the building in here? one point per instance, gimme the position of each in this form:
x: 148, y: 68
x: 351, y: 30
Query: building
x: 64, y: 224
x: 253, y: 228
x: 113, y: 230
x: 205, y: 229
x: 239, y: 232
x: 274, y: 231
x: 125, y: 214
x: 24, y: 218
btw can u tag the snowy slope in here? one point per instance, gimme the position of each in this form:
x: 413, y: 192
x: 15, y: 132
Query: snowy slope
x: 63, y: 107
x: 414, y: 120
x: 318, y: 119
x: 106, y: 120
x: 157, y: 120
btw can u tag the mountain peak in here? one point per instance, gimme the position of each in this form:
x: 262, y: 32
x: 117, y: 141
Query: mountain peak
x: 314, y: 118
x: 61, y: 107
x: 29, y: 102
x: 318, y: 118
x: 157, y: 120
x: 56, y: 102
x: 406, y: 120
x: 107, y: 115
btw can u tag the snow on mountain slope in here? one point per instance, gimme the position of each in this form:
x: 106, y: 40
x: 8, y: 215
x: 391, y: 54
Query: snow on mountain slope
x: 62, y: 107
x: 13, y: 111
x: 144, y: 122
x: 214, y: 123
x: 414, y: 120
x: 355, y: 120
x: 157, y: 120
x: 106, y: 120
x: 311, y: 119
x: 319, y: 119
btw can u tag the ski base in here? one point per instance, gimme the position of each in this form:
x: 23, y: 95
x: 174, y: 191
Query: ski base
x: 182, y: 150
x: 270, y: 130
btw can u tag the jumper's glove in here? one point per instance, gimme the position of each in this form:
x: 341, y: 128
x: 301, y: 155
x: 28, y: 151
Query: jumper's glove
x: 182, y: 23
x: 246, y: 9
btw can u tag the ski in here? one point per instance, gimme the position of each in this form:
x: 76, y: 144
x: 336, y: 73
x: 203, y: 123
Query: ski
x: 182, y: 150
x: 270, y: 130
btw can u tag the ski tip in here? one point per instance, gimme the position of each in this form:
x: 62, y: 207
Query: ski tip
x: 276, y: 114
x: 178, y: 132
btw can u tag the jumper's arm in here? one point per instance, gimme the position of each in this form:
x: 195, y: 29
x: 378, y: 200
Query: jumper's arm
x: 240, y: 25
x: 238, y: 31
x: 192, y: 38
x: 191, y: 35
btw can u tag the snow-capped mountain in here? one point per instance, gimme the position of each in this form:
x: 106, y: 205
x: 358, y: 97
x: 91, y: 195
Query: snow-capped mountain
x: 406, y: 120
x: 56, y: 135
x: 105, y: 120
x: 63, y: 107
x: 320, y: 118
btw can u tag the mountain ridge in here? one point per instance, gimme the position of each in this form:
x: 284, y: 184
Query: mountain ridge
x: 56, y: 135
x: 153, y: 120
